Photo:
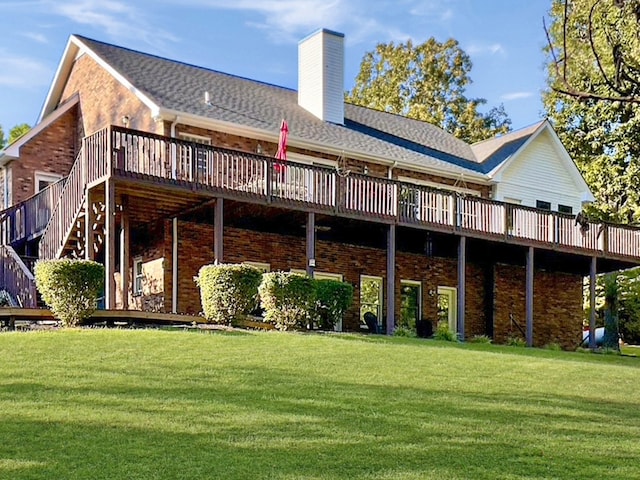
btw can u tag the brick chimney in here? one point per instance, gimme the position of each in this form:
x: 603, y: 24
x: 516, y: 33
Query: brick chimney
x: 321, y: 75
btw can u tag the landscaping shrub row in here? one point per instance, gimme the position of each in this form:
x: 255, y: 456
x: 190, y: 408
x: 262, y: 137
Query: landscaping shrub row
x: 288, y: 300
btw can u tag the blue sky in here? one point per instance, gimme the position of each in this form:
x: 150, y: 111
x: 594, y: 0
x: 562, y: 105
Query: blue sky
x: 258, y: 39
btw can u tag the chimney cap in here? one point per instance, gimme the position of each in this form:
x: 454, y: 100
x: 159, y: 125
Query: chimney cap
x: 322, y: 30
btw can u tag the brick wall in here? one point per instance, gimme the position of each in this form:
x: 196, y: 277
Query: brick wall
x: 51, y: 151
x: 558, y: 297
x: 104, y: 100
x: 557, y: 307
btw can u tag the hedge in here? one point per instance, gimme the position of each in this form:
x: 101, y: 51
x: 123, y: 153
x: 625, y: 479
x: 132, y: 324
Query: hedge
x: 228, y: 292
x: 70, y: 288
x: 288, y: 299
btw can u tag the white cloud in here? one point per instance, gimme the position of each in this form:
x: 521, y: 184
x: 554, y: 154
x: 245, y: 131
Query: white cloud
x: 38, y: 37
x: 515, y: 96
x: 286, y: 21
x: 483, y: 49
x: 117, y: 18
x: 22, y: 72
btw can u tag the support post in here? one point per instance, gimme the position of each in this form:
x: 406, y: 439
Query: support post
x: 311, y: 243
x: 124, y: 254
x: 174, y: 266
x: 218, y: 229
x: 110, y: 243
x: 592, y: 303
x: 391, y: 279
x: 89, y: 252
x: 529, y: 296
x: 462, y: 285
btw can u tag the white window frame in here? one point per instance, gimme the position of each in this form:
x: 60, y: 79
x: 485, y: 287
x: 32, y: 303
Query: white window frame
x: 262, y: 266
x: 380, y: 296
x: 452, y: 293
x: 45, y: 177
x: 414, y: 283
x: 328, y: 276
x: 138, y: 278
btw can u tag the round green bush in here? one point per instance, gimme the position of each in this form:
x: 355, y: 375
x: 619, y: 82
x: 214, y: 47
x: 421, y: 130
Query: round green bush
x: 288, y: 299
x: 70, y: 288
x: 228, y: 292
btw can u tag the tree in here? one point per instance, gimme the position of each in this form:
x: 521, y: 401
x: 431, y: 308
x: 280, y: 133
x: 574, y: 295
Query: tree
x: 607, y: 49
x: 18, y: 131
x: 426, y: 82
x: 3, y: 141
x: 599, y: 133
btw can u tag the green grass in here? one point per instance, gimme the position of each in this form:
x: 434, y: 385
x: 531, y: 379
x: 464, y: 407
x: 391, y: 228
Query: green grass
x: 109, y: 404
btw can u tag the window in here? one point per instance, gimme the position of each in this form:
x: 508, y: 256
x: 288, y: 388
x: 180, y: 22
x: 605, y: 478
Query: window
x: 263, y: 267
x: 410, y: 299
x: 43, y: 180
x: 138, y: 276
x: 327, y: 276
x: 542, y: 205
x: 371, y: 299
x: 565, y: 209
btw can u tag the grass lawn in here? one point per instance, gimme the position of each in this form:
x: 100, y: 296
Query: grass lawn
x: 117, y: 404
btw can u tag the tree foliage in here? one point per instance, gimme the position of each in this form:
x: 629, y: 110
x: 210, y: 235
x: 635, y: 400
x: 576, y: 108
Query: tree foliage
x: 598, y: 40
x: 3, y: 140
x: 426, y: 82
x: 601, y: 136
x: 18, y: 131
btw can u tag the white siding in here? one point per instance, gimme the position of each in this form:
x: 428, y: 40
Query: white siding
x: 321, y: 75
x: 539, y: 173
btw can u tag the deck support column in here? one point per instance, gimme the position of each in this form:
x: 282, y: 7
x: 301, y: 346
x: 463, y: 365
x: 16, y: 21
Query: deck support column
x: 174, y: 266
x: 311, y: 243
x: 529, y: 297
x: 391, y: 279
x: 592, y: 303
x: 124, y: 254
x: 110, y: 244
x: 462, y: 282
x: 89, y: 252
x: 218, y: 229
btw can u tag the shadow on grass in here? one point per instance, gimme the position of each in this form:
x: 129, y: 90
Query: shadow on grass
x: 270, y: 423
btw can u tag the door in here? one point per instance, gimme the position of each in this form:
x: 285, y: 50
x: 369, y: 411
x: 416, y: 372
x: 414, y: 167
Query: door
x: 447, y: 307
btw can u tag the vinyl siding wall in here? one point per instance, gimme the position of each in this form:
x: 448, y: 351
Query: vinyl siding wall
x: 540, y: 174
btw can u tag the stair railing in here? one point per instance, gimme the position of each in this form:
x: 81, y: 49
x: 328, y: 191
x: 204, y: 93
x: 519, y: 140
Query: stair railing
x: 65, y: 212
x: 16, y: 278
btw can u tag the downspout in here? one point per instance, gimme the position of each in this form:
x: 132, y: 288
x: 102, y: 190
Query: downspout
x: 174, y: 230
x: 390, y: 171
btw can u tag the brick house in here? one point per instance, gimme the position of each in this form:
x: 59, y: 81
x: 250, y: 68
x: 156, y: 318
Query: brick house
x: 155, y: 168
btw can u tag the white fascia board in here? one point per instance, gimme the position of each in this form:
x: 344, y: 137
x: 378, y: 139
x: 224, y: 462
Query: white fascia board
x: 75, y: 47
x: 271, y: 136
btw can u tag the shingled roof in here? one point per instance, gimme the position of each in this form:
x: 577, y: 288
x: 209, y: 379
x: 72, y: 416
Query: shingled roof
x: 179, y: 87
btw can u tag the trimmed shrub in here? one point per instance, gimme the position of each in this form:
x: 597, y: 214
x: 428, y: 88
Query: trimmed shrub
x: 288, y: 299
x: 228, y: 292
x: 70, y: 288
x: 333, y: 298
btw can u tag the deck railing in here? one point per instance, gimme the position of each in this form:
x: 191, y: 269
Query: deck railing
x: 28, y: 219
x: 16, y: 278
x: 66, y: 210
x: 245, y: 174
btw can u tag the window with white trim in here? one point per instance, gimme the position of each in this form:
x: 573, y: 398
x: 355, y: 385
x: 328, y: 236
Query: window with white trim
x: 44, y: 179
x: 410, y: 303
x: 138, y: 276
x: 327, y: 276
x: 371, y: 298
